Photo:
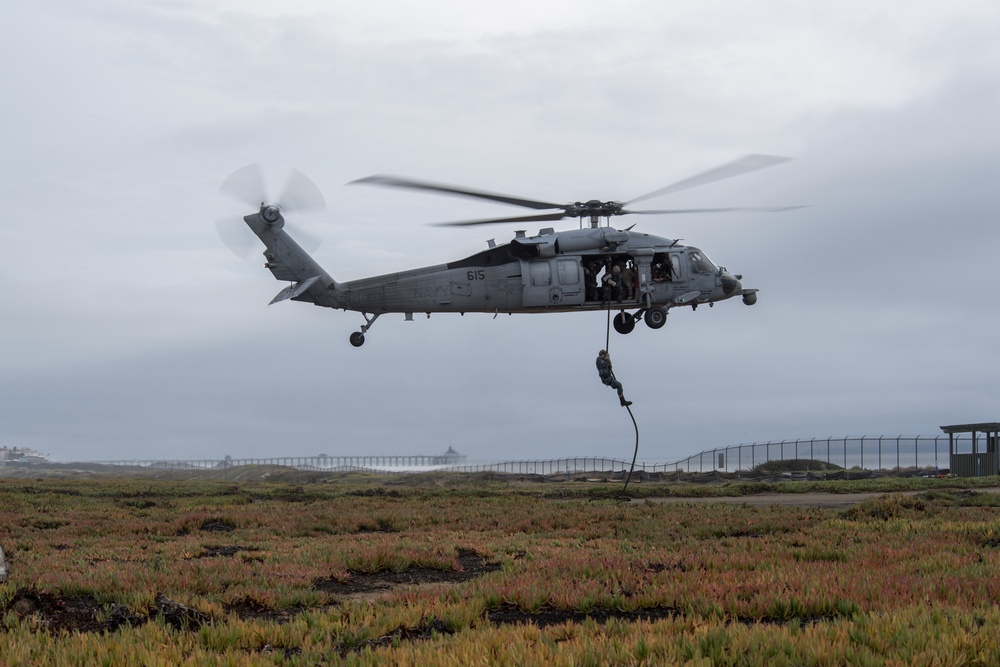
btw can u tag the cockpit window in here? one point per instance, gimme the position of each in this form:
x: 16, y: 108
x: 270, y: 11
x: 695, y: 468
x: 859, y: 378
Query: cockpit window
x: 700, y: 263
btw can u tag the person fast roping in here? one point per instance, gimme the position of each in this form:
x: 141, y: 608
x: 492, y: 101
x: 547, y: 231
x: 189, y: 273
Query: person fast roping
x: 608, y: 376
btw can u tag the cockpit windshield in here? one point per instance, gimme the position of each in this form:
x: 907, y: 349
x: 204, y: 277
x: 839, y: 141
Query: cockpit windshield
x: 700, y: 263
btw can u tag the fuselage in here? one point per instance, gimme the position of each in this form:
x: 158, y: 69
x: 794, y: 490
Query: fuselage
x: 599, y: 268
x: 551, y: 272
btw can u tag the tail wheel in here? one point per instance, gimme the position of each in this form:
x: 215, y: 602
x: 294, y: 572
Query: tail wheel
x: 624, y: 323
x: 656, y: 317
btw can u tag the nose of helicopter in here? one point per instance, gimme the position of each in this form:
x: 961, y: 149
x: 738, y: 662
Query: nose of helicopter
x: 730, y: 284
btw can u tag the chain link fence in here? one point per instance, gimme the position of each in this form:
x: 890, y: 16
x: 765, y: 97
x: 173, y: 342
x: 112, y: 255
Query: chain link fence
x: 875, y: 453
x: 885, y: 453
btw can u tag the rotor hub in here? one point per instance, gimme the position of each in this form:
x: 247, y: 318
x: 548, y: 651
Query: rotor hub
x: 593, y: 208
x: 270, y: 213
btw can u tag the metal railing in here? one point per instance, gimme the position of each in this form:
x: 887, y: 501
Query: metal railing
x: 897, y: 452
x: 321, y: 462
x: 568, y: 466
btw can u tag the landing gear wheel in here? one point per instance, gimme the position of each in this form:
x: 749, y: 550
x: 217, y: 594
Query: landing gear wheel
x: 656, y: 317
x: 357, y: 339
x: 624, y: 323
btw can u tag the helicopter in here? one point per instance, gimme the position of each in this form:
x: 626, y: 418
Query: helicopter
x: 592, y: 268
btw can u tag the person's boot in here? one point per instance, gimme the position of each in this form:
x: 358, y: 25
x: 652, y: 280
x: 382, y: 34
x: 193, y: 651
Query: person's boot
x: 625, y: 403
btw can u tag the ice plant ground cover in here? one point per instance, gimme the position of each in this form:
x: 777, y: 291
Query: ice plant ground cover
x: 459, y: 570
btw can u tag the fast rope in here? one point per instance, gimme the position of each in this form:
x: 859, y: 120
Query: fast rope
x: 607, y: 333
x: 621, y: 494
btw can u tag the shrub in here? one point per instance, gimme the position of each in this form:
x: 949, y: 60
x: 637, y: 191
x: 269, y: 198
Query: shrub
x: 795, y: 465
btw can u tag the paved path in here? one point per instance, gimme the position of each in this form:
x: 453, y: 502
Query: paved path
x: 809, y: 499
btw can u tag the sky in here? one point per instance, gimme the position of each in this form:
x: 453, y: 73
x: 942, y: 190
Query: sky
x: 130, y: 331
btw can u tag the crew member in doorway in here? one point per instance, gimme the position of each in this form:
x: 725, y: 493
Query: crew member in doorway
x: 608, y: 376
x: 628, y: 281
x: 612, y: 280
x: 590, y: 271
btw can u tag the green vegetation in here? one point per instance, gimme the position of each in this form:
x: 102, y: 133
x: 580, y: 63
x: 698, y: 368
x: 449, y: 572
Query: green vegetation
x: 448, y: 569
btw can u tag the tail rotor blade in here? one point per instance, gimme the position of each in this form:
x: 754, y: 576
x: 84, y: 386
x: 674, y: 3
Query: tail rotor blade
x: 301, y: 194
x: 246, y: 185
x: 234, y: 233
x: 307, y: 240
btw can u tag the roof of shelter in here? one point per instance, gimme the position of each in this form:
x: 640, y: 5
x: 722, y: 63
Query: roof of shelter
x: 985, y: 427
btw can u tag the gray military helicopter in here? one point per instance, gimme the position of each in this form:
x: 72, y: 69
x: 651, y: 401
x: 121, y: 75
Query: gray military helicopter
x: 593, y: 268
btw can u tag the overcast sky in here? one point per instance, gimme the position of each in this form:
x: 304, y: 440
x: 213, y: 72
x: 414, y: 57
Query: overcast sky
x: 129, y: 330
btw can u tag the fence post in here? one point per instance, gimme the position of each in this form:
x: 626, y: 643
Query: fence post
x: 899, y: 465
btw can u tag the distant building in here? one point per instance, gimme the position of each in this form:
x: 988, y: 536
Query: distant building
x: 450, y: 458
x: 20, y: 456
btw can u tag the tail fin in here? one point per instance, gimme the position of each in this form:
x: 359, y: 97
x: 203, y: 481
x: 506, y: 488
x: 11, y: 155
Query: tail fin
x: 287, y: 261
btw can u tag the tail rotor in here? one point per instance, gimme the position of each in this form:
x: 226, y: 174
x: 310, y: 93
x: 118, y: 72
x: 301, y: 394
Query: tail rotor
x: 248, y: 186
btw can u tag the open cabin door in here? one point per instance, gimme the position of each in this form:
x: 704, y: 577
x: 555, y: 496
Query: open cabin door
x: 556, y: 281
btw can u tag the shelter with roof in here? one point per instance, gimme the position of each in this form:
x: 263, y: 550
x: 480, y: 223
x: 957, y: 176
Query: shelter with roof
x: 979, y: 462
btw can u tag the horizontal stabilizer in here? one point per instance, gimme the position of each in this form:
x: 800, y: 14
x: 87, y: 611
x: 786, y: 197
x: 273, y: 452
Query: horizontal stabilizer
x: 294, y: 290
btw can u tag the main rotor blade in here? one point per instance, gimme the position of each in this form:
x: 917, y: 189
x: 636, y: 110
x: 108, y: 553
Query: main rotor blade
x: 752, y: 209
x: 246, y: 185
x: 743, y: 165
x: 396, y: 182
x: 494, y: 221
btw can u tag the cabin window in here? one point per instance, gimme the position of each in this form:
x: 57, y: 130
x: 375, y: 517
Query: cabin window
x: 541, y: 274
x: 569, y: 272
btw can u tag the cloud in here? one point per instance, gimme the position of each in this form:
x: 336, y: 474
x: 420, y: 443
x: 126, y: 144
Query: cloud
x: 130, y: 332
